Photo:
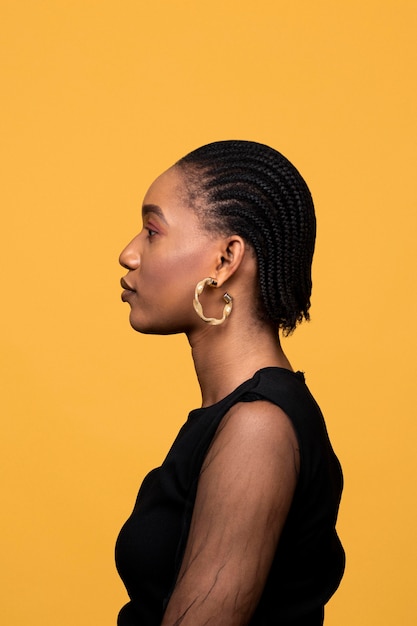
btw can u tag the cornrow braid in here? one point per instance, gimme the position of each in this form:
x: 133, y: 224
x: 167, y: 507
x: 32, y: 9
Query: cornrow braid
x: 251, y: 190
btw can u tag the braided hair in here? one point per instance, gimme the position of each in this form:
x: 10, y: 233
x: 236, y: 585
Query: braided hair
x: 249, y: 189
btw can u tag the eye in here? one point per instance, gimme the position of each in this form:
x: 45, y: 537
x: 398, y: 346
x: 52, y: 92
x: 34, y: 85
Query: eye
x: 151, y: 232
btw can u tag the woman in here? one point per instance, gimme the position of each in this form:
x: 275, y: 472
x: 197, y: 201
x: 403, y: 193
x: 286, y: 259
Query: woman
x: 238, y: 524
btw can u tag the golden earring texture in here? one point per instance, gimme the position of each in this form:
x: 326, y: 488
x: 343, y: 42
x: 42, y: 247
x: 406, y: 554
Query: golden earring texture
x: 213, y: 321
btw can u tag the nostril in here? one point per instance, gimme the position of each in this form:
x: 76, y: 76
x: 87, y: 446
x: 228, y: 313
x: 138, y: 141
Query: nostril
x: 129, y: 264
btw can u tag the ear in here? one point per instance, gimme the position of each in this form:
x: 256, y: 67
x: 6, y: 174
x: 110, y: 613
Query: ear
x: 231, y: 255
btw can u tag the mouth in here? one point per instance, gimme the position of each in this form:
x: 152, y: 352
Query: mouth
x: 128, y: 290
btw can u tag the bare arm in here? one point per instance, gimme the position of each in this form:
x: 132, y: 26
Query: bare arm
x: 244, y: 494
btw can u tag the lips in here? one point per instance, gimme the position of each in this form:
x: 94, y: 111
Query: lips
x: 125, y: 285
x: 128, y: 290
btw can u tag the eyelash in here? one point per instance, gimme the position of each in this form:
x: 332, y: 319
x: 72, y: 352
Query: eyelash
x: 151, y: 232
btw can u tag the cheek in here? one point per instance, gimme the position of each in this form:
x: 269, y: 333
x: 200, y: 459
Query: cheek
x: 165, y: 286
x: 163, y: 273
x: 184, y: 266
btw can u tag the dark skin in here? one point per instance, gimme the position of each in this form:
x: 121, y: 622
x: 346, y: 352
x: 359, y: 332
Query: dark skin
x: 250, y: 472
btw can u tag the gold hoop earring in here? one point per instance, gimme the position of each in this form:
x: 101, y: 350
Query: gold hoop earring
x: 213, y: 321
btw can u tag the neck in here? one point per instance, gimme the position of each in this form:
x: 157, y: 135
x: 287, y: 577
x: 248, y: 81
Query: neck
x: 225, y: 356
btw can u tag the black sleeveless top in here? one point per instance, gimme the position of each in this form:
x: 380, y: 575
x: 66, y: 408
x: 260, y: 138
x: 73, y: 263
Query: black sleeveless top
x: 309, y: 560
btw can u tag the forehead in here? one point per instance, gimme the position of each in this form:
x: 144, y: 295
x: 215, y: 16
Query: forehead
x: 169, y: 195
x: 167, y: 189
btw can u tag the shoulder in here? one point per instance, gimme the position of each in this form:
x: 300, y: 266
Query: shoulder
x: 254, y: 433
x: 258, y: 420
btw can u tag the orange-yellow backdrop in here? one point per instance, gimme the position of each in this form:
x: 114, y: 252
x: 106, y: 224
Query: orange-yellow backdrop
x: 98, y: 97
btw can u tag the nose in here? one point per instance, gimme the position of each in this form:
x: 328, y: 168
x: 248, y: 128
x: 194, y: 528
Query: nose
x: 130, y: 257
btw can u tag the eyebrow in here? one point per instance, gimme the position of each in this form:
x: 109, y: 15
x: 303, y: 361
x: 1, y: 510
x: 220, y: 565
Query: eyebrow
x: 154, y: 208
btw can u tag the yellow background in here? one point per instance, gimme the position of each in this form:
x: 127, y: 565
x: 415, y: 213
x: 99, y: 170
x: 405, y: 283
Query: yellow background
x: 98, y: 97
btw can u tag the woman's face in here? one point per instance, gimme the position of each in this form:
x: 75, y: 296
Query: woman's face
x: 166, y: 260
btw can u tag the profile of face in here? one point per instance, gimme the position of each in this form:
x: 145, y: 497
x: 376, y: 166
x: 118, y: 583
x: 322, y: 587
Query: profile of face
x: 166, y: 259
